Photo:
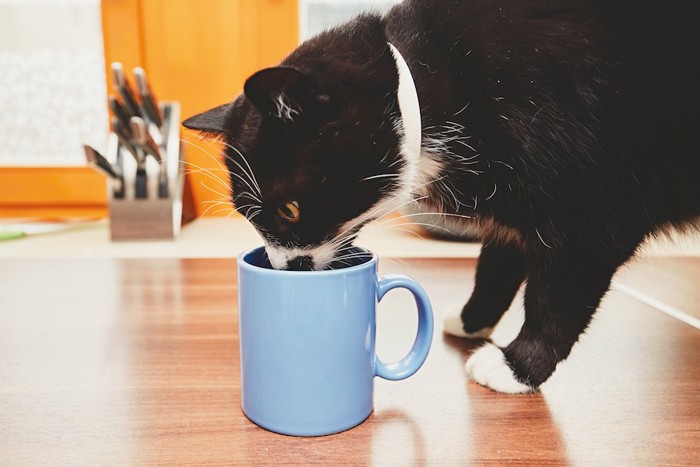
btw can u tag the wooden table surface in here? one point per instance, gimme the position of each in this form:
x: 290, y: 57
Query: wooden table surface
x: 123, y: 362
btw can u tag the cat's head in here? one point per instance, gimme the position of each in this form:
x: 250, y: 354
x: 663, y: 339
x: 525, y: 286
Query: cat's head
x: 313, y: 150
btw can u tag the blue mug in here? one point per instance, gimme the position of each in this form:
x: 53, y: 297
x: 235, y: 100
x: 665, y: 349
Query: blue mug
x: 307, y: 343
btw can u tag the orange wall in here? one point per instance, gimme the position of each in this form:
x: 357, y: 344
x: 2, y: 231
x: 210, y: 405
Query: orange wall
x: 198, y: 52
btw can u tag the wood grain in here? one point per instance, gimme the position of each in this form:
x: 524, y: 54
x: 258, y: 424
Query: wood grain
x: 135, y: 362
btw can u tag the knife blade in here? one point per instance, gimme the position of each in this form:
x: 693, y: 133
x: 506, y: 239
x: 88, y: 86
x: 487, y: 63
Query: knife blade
x: 100, y: 164
x: 143, y: 139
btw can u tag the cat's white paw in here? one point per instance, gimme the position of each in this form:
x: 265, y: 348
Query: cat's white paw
x: 452, y: 323
x: 487, y: 366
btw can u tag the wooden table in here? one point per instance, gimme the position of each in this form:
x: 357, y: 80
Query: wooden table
x: 122, y: 362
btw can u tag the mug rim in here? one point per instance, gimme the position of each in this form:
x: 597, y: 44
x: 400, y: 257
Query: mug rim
x: 242, y: 263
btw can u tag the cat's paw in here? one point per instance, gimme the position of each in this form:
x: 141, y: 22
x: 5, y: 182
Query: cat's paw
x: 453, y: 325
x: 487, y: 366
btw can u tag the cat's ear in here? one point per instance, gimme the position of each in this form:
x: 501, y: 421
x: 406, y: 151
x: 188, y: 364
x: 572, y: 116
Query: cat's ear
x: 212, y: 121
x: 284, y: 92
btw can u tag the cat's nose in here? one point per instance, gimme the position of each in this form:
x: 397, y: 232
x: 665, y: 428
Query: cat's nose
x: 300, y: 263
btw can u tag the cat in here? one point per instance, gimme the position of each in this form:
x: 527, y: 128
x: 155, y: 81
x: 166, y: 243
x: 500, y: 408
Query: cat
x: 568, y: 131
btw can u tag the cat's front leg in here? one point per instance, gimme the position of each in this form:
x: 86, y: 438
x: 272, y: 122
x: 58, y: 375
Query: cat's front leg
x: 500, y: 272
x: 562, y: 293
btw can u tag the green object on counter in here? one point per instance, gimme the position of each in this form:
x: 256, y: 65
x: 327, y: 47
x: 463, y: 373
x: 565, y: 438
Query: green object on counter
x: 15, y: 230
x: 11, y: 234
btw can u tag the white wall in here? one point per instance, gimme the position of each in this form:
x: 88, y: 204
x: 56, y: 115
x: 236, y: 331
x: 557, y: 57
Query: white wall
x: 52, y: 81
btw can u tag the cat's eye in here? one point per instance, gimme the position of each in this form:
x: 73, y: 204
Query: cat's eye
x: 289, y: 212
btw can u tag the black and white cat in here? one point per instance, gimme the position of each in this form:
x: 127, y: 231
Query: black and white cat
x: 569, y: 131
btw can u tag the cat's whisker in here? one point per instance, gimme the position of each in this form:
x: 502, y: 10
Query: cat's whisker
x: 250, y: 172
x: 450, y: 192
x: 461, y: 110
x: 495, y: 187
x: 224, y: 209
x: 217, y: 208
x: 205, y: 169
x: 223, y: 185
x: 350, y: 256
x: 347, y: 247
x: 250, y: 219
x: 391, y: 208
x: 396, y: 259
x: 217, y: 204
x: 249, y: 176
x: 397, y: 161
x: 424, y: 224
x: 215, y: 201
x: 211, y: 189
x: 360, y: 220
x: 409, y: 231
x: 206, y: 211
x: 383, y: 159
x: 503, y: 163
x: 257, y: 209
x: 241, y: 178
x: 247, y: 194
x: 255, y: 197
x: 339, y: 241
x: 248, y: 179
x: 341, y: 237
x: 208, y: 153
x: 249, y: 205
x: 396, y: 208
x: 375, y: 177
x: 207, y: 172
x: 197, y: 146
x: 442, y: 214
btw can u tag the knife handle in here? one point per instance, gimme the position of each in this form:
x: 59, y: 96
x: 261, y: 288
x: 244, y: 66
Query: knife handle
x: 119, y: 112
x: 148, y: 100
x: 122, y: 86
x: 141, y: 137
x: 141, y: 183
x: 124, y: 136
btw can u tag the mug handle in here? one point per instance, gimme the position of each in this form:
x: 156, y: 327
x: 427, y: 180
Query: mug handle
x: 408, y: 365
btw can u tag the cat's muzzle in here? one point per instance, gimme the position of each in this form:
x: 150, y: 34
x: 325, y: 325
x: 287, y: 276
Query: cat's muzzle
x: 300, y: 263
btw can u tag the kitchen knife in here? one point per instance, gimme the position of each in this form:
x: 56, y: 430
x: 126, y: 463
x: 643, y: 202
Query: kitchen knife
x: 143, y: 140
x: 100, y: 164
x: 119, y: 111
x: 125, y: 140
x: 122, y: 86
x: 124, y: 135
x: 148, y: 100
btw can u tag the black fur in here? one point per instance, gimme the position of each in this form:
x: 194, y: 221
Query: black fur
x: 570, y: 129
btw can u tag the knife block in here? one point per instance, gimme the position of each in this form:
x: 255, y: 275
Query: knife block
x: 152, y: 217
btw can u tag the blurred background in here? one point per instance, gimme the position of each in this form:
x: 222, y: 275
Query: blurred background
x: 54, y: 62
